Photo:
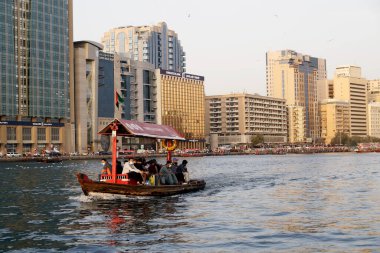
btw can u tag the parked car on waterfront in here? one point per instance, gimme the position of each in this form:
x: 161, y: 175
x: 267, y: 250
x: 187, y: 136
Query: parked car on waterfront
x: 105, y: 153
x: 13, y: 154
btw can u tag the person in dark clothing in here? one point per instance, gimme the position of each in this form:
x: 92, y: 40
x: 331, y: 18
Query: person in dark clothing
x: 119, y: 167
x: 138, y: 164
x: 180, y: 170
x: 152, y: 167
x: 152, y: 170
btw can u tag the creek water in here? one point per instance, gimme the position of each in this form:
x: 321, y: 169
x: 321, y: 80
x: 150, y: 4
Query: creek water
x: 299, y: 203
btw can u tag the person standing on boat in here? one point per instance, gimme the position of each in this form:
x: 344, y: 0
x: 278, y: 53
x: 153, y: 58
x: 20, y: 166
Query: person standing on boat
x: 107, y: 168
x: 119, y: 167
x: 181, y: 171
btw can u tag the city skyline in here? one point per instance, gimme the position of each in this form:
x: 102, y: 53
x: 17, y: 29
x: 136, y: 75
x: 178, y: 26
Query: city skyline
x: 228, y: 46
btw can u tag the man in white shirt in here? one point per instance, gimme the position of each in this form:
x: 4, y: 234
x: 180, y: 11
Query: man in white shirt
x: 129, y: 167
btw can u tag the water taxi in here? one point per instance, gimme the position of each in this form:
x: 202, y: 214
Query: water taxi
x: 120, y: 183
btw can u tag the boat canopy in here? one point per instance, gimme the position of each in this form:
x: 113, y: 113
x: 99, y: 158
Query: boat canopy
x: 139, y: 129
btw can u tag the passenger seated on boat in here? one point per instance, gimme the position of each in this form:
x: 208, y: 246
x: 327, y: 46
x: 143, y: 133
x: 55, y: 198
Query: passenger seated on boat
x: 106, y: 170
x: 180, y: 172
x: 119, y: 167
x: 129, y: 166
x: 152, y: 169
x: 138, y: 164
x: 167, y: 177
x: 131, y: 170
x: 174, y: 165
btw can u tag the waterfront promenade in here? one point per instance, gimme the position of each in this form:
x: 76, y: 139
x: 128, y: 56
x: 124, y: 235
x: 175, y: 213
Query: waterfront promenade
x: 257, y: 151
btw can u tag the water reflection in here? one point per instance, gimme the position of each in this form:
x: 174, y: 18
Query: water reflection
x: 119, y: 222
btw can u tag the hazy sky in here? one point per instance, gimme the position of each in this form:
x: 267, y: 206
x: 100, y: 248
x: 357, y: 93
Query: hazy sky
x: 226, y: 41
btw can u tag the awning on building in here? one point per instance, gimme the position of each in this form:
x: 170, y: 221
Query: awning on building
x: 133, y: 128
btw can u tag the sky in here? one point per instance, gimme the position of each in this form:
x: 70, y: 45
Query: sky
x: 226, y: 41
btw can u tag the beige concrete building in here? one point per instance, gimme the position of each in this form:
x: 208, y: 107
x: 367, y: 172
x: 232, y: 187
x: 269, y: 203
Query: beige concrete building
x: 335, y: 118
x: 233, y: 119
x: 323, y: 89
x: 99, y: 78
x: 301, y: 80
x: 155, y: 44
x: 330, y: 84
x: 296, y: 123
x: 374, y: 119
x: 86, y: 95
x: 373, y: 90
x: 351, y: 86
x: 181, y: 105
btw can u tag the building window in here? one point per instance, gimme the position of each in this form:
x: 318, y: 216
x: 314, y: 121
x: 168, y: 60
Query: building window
x: 55, y: 134
x: 26, y: 148
x: 41, y: 134
x: 11, y: 133
x: 27, y: 134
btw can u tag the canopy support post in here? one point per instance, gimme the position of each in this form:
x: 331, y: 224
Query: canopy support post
x: 169, y: 156
x: 114, y: 150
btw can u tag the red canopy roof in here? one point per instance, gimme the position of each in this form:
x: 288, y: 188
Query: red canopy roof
x: 139, y: 129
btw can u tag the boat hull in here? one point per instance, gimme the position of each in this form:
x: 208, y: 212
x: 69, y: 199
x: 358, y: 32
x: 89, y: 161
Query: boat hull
x: 89, y: 186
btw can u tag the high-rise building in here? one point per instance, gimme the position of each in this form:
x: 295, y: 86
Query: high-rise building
x: 351, y: 86
x: 86, y: 95
x: 373, y: 90
x: 155, y: 44
x: 335, y: 119
x: 133, y: 81
x: 297, y: 78
x: 234, y: 118
x: 296, y: 123
x: 36, y: 75
x: 180, y: 99
x: 374, y: 119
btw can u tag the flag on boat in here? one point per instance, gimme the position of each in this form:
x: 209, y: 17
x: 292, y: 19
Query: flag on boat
x: 118, y: 99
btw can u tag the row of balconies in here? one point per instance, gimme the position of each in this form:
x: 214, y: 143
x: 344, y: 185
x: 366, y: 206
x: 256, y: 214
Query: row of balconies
x: 262, y: 109
x: 265, y: 113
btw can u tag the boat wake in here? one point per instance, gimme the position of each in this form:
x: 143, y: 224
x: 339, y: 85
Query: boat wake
x: 96, y: 196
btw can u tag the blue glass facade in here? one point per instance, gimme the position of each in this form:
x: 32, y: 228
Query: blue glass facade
x: 8, y: 82
x: 106, y: 95
x: 35, y: 63
x: 49, y: 59
x: 126, y: 91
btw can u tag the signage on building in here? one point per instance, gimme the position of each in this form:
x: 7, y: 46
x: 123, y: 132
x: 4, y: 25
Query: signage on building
x: 183, y: 75
x: 27, y: 123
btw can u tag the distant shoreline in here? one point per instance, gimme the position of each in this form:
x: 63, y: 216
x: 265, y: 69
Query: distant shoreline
x: 98, y: 157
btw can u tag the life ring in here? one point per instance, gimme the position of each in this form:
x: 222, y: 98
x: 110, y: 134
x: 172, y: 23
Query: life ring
x: 170, y: 145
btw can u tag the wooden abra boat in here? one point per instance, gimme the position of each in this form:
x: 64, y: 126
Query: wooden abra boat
x: 137, y: 190
x: 120, y: 183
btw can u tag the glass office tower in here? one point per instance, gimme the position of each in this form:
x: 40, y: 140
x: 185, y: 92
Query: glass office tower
x: 35, y: 52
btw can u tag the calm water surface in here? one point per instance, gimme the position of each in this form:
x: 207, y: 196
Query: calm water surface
x: 299, y: 203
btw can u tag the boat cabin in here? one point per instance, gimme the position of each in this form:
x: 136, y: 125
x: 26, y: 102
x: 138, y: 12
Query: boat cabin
x: 130, y: 128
